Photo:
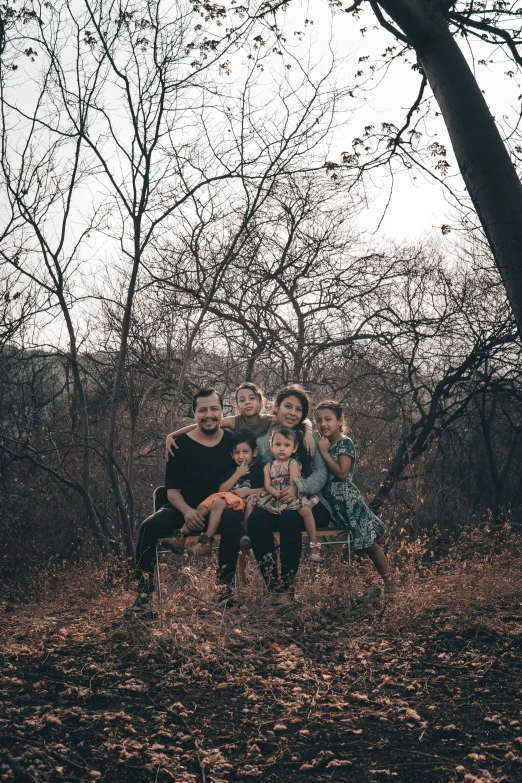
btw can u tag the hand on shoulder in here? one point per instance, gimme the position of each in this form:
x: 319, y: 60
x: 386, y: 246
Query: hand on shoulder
x: 170, y: 445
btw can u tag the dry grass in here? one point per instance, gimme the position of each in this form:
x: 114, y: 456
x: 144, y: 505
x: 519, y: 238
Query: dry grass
x: 424, y: 686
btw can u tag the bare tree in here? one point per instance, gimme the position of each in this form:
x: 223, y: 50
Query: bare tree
x: 491, y: 409
x: 42, y: 170
x: 128, y: 132
x: 300, y: 286
x: 431, y: 30
x: 449, y: 325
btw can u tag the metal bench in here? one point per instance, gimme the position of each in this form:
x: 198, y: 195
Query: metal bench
x: 340, y: 535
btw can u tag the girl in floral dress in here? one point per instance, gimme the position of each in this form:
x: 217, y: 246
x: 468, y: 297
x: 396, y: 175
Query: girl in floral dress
x: 348, y: 508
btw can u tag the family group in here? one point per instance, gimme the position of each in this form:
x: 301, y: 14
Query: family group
x: 253, y: 474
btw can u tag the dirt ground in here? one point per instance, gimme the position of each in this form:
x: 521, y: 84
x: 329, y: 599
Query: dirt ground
x: 425, y: 687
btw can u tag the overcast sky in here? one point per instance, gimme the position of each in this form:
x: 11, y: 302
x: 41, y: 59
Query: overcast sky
x: 417, y: 206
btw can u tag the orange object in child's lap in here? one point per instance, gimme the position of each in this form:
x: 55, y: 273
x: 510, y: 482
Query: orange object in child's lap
x: 233, y: 501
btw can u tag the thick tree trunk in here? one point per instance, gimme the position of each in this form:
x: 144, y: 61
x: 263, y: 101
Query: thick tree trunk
x: 487, y: 170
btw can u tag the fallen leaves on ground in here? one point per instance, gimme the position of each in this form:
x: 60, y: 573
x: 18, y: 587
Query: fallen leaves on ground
x: 426, y: 687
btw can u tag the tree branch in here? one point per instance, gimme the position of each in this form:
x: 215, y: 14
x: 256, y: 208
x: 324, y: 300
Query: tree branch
x: 388, y: 25
x: 501, y: 33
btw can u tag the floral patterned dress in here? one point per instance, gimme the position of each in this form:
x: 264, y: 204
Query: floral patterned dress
x: 348, y: 508
x: 280, y: 479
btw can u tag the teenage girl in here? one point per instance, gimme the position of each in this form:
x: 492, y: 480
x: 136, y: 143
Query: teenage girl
x: 279, y: 474
x: 250, y: 403
x: 348, y: 508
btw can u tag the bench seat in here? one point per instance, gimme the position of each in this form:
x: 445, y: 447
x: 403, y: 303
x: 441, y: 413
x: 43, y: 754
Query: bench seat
x: 340, y: 534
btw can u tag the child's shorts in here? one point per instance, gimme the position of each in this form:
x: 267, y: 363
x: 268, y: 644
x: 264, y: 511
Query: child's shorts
x: 233, y: 501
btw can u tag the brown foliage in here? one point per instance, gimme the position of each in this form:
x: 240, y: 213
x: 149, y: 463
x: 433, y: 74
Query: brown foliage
x: 424, y: 686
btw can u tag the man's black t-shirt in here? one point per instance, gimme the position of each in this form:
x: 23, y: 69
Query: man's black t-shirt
x: 197, y: 470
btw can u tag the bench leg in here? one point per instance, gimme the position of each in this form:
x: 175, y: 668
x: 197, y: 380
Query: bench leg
x: 350, y: 592
x: 158, y: 577
x: 242, y: 563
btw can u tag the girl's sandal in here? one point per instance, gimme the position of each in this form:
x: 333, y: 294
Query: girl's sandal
x: 315, y: 553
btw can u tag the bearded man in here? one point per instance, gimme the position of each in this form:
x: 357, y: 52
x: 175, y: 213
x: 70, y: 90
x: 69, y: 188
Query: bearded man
x: 195, y: 471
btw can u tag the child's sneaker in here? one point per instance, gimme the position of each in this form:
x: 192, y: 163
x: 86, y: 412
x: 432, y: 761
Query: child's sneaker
x: 315, y: 553
x: 176, y: 543
x: 390, y: 589
x: 203, y: 548
x: 245, y: 543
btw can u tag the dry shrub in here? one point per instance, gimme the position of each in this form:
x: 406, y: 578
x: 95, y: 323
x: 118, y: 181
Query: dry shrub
x: 460, y: 591
x: 468, y: 590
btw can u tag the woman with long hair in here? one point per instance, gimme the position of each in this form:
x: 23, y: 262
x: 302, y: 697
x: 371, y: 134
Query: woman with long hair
x: 291, y: 408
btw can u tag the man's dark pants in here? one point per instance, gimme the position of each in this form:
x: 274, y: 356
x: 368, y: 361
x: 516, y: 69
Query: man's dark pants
x: 261, y: 527
x: 164, y: 522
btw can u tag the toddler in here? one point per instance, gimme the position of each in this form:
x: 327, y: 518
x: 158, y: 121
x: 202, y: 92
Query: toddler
x: 278, y: 475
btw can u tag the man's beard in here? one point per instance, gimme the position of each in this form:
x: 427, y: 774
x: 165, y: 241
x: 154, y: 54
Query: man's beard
x: 209, y: 428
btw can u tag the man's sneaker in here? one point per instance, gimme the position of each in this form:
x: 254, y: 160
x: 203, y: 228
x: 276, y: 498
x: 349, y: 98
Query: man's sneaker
x: 203, y: 547
x: 176, y: 543
x: 390, y: 589
x: 315, y: 553
x: 245, y: 543
x: 142, y: 605
x: 224, y: 599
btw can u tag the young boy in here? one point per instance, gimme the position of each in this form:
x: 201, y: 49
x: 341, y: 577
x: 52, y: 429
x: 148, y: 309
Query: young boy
x: 239, y: 484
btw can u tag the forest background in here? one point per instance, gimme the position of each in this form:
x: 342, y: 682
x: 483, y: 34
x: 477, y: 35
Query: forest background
x: 197, y: 193
x: 179, y: 209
